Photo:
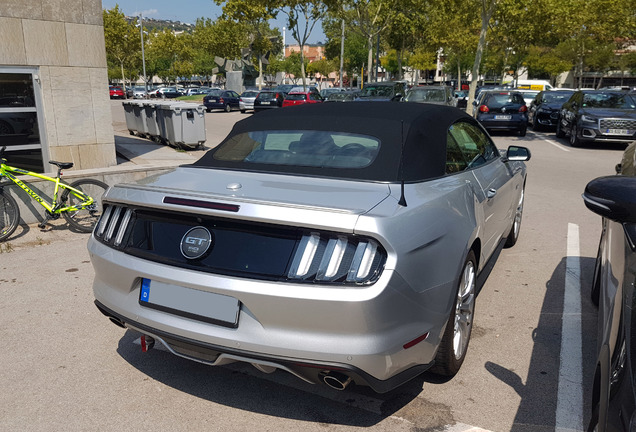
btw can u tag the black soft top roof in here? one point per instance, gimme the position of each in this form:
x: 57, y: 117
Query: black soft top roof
x: 423, y: 127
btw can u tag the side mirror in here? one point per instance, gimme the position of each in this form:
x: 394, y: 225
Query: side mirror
x: 613, y: 197
x: 517, y: 153
x: 475, y: 103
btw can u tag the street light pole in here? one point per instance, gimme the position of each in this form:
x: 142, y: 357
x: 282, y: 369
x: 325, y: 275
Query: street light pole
x: 342, y: 54
x: 143, y: 55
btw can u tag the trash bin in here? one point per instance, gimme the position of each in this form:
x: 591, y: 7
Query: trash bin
x: 151, y: 127
x: 138, y: 115
x: 183, y: 123
x: 129, y: 114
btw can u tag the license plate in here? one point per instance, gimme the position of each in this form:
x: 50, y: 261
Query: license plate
x: 618, y: 132
x: 503, y: 117
x: 190, y: 303
x: 211, y: 100
x: 264, y: 103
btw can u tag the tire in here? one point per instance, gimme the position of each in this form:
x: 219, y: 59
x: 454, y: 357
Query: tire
x: 513, y: 236
x: 559, y: 130
x: 574, y: 139
x: 243, y: 111
x: 85, y: 220
x: 228, y: 108
x: 208, y: 110
x: 535, y: 125
x: 6, y: 128
x: 522, y: 131
x: 9, y: 215
x: 452, y: 349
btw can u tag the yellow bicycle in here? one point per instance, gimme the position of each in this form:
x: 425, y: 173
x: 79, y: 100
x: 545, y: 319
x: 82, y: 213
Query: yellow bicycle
x: 80, y: 202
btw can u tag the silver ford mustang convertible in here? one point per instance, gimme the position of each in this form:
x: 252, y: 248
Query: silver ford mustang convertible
x: 341, y: 243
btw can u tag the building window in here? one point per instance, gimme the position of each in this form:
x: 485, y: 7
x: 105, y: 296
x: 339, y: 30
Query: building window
x: 21, y: 118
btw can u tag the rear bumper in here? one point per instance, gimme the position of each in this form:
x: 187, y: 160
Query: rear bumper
x: 305, y: 330
x: 309, y: 371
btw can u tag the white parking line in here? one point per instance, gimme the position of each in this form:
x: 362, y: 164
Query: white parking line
x: 557, y: 145
x: 569, y: 412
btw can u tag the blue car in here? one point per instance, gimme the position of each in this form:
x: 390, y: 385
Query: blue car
x: 221, y: 99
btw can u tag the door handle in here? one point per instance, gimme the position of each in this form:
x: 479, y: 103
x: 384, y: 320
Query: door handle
x: 490, y: 193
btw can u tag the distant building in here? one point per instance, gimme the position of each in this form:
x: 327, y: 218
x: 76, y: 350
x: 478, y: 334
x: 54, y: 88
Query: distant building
x: 310, y: 52
x: 54, y: 99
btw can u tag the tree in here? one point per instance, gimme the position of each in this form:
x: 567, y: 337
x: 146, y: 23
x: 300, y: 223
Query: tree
x: 254, y: 13
x: 302, y: 17
x: 122, y: 40
x: 321, y: 67
x: 487, y: 9
x: 355, y: 46
x: 368, y: 18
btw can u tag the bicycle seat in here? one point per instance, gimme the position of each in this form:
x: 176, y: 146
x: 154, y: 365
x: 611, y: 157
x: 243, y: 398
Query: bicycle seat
x: 62, y: 165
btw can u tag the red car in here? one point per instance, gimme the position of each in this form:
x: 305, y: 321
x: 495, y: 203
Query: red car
x: 116, y: 92
x: 300, y: 97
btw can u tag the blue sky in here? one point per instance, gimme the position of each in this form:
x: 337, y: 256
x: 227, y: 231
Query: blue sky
x: 189, y: 10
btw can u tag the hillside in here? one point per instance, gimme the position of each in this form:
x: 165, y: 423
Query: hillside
x: 158, y: 24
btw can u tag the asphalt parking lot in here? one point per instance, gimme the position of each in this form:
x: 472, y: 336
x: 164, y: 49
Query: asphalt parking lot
x: 66, y: 368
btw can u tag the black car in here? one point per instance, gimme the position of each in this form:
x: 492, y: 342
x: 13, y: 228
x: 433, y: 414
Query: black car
x: 543, y: 112
x: 392, y: 91
x: 225, y: 100
x: 502, y: 109
x: 268, y: 99
x: 613, y: 290
x: 598, y: 116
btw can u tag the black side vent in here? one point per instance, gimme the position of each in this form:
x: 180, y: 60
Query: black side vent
x: 112, y: 225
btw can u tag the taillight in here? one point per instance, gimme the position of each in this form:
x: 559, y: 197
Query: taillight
x: 221, y: 100
x: 523, y: 108
x: 337, y: 258
x: 483, y: 108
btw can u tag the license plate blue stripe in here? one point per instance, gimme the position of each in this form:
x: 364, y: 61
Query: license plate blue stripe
x: 145, y: 290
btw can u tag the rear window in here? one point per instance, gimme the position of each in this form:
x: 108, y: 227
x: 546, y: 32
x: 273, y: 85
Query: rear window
x: 300, y: 148
x: 265, y: 95
x: 249, y: 94
x: 504, y: 98
x: 296, y: 96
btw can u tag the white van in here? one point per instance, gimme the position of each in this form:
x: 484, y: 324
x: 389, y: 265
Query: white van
x: 539, y: 85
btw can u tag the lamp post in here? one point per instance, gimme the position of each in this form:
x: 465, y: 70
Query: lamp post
x: 143, y: 55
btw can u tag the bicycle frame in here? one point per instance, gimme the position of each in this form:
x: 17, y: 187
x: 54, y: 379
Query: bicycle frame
x: 53, y: 207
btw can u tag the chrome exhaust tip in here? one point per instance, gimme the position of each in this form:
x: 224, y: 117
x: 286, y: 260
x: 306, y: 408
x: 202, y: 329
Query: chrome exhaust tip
x: 117, y: 322
x: 336, y: 380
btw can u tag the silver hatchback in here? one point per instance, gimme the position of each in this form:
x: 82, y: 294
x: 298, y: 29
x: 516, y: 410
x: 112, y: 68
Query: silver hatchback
x: 327, y: 241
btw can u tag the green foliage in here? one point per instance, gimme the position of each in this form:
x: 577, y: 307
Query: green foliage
x: 123, y: 44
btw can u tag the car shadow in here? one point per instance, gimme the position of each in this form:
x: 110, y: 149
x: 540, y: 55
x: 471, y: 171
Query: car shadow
x: 241, y: 386
x: 540, y: 391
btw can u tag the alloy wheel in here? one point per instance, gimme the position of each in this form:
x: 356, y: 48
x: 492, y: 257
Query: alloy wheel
x: 464, y: 310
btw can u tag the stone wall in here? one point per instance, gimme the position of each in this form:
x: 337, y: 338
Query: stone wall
x: 65, y: 39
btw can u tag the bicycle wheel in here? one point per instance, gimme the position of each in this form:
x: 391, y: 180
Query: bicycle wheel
x: 9, y: 215
x: 84, y: 220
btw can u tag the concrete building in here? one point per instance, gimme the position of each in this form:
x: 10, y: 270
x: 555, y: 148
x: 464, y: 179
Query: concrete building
x: 54, y: 101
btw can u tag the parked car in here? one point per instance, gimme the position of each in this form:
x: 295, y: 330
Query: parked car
x: 246, y: 100
x: 285, y: 88
x: 598, y: 116
x: 116, y: 92
x: 165, y: 93
x: 462, y: 98
x: 139, y: 92
x: 192, y: 91
x: 613, y: 291
x: 528, y: 95
x: 438, y: 95
x: 330, y: 90
x: 382, y: 91
x: 502, y: 109
x: 226, y: 100
x: 300, y: 97
x: 335, y: 249
x: 343, y: 96
x: 543, y: 111
x: 268, y: 99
